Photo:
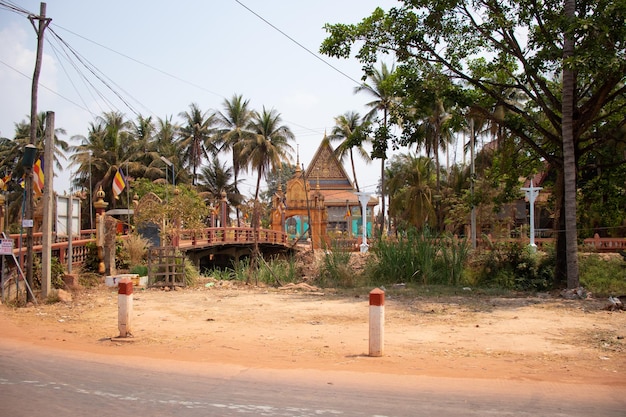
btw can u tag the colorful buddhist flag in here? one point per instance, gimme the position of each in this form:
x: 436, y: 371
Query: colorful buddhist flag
x: 38, y: 177
x: 119, y: 183
x: 6, y: 180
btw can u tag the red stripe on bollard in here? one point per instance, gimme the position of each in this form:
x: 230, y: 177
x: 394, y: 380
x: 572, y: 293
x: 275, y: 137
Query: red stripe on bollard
x: 125, y: 287
x: 377, y: 297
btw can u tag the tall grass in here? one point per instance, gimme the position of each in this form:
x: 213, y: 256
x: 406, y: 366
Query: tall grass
x: 334, y: 269
x: 419, y: 257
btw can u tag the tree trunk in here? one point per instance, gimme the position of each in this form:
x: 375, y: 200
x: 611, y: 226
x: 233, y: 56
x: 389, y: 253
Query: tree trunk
x: 569, y: 156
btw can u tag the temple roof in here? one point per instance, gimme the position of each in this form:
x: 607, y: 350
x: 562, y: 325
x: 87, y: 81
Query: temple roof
x: 326, y: 171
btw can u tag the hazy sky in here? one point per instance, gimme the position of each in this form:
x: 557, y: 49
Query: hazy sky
x: 161, y: 56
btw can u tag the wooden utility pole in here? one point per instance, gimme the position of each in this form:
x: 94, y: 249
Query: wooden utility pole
x: 40, y: 27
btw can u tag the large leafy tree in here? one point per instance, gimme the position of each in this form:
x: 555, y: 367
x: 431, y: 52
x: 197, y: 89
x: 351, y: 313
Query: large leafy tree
x: 517, y: 46
x: 196, y: 137
x: 352, y: 132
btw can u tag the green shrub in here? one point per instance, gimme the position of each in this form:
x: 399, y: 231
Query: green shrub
x: 141, y: 270
x: 57, y: 272
x: 601, y: 276
x: 92, y: 261
x: 513, y: 266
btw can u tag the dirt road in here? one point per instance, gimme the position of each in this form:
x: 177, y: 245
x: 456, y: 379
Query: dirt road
x: 542, y: 339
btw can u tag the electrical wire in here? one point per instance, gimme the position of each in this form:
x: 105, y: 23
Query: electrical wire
x: 316, y: 56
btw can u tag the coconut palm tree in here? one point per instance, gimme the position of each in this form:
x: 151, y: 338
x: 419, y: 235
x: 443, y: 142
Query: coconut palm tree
x: 268, y: 146
x: 410, y: 188
x: 107, y: 148
x: 196, y: 135
x: 216, y: 178
x: 351, y: 130
x: 265, y: 150
x: 22, y: 138
x: 382, y: 89
x: 234, y: 123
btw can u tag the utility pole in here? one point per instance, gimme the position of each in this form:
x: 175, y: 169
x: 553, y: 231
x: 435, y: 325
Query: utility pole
x: 42, y: 24
x: 46, y: 227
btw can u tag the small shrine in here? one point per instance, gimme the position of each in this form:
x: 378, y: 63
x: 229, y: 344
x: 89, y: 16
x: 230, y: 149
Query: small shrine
x: 324, y: 194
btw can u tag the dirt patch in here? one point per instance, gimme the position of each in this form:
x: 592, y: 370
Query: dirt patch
x: 529, y: 338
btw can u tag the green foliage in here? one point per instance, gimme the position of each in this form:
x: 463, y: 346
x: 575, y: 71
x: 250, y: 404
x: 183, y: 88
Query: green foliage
x: 601, y: 276
x: 282, y: 269
x: 513, y: 266
x: 141, y: 270
x: 191, y: 273
x: 57, y: 272
x: 91, y: 258
x: 454, y: 254
x: 418, y: 257
x: 181, y: 206
x: 334, y: 270
x: 122, y: 256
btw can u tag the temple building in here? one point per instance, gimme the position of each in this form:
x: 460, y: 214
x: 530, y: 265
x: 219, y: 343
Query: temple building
x: 324, y: 194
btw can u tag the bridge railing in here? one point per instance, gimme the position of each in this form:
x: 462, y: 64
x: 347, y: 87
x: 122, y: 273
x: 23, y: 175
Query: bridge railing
x: 230, y: 235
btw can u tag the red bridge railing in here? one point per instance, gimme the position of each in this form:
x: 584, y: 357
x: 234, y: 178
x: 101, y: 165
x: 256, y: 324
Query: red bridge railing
x: 213, y: 236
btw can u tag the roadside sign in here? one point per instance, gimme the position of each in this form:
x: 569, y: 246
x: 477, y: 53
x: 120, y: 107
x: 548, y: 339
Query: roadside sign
x: 6, y: 246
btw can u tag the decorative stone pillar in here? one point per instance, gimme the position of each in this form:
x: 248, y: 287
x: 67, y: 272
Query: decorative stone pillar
x: 100, y: 205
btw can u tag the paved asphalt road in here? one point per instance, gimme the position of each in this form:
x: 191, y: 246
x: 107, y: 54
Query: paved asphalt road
x: 34, y: 382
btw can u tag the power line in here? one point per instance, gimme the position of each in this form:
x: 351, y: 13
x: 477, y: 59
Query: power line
x: 298, y: 43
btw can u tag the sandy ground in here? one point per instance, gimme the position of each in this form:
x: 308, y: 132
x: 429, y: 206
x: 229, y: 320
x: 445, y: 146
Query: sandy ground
x: 536, y: 338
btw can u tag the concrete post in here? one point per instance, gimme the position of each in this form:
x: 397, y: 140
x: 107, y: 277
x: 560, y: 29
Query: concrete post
x: 125, y: 307
x: 377, y: 322
x: 531, y: 194
x: 364, y: 199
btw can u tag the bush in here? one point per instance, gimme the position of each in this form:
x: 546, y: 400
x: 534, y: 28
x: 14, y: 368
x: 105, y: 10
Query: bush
x: 141, y: 270
x: 91, y: 258
x: 514, y: 266
x: 602, y: 276
x: 57, y: 272
x: 135, y: 247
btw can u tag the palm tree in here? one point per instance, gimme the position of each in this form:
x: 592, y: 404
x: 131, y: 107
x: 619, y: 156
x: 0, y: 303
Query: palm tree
x: 265, y: 150
x: 215, y: 179
x: 22, y: 138
x: 410, y: 188
x: 196, y: 136
x: 268, y: 146
x: 234, y: 131
x: 107, y: 148
x: 382, y: 90
x: 349, y: 129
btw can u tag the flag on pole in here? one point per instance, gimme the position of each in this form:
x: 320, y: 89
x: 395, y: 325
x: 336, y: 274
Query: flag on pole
x: 38, y: 177
x: 119, y: 183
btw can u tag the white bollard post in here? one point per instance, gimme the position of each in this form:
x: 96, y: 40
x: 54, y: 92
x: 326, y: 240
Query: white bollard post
x: 125, y: 307
x: 377, y: 322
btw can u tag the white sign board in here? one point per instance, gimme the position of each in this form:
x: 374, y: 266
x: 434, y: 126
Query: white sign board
x: 6, y: 246
x: 63, y: 214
